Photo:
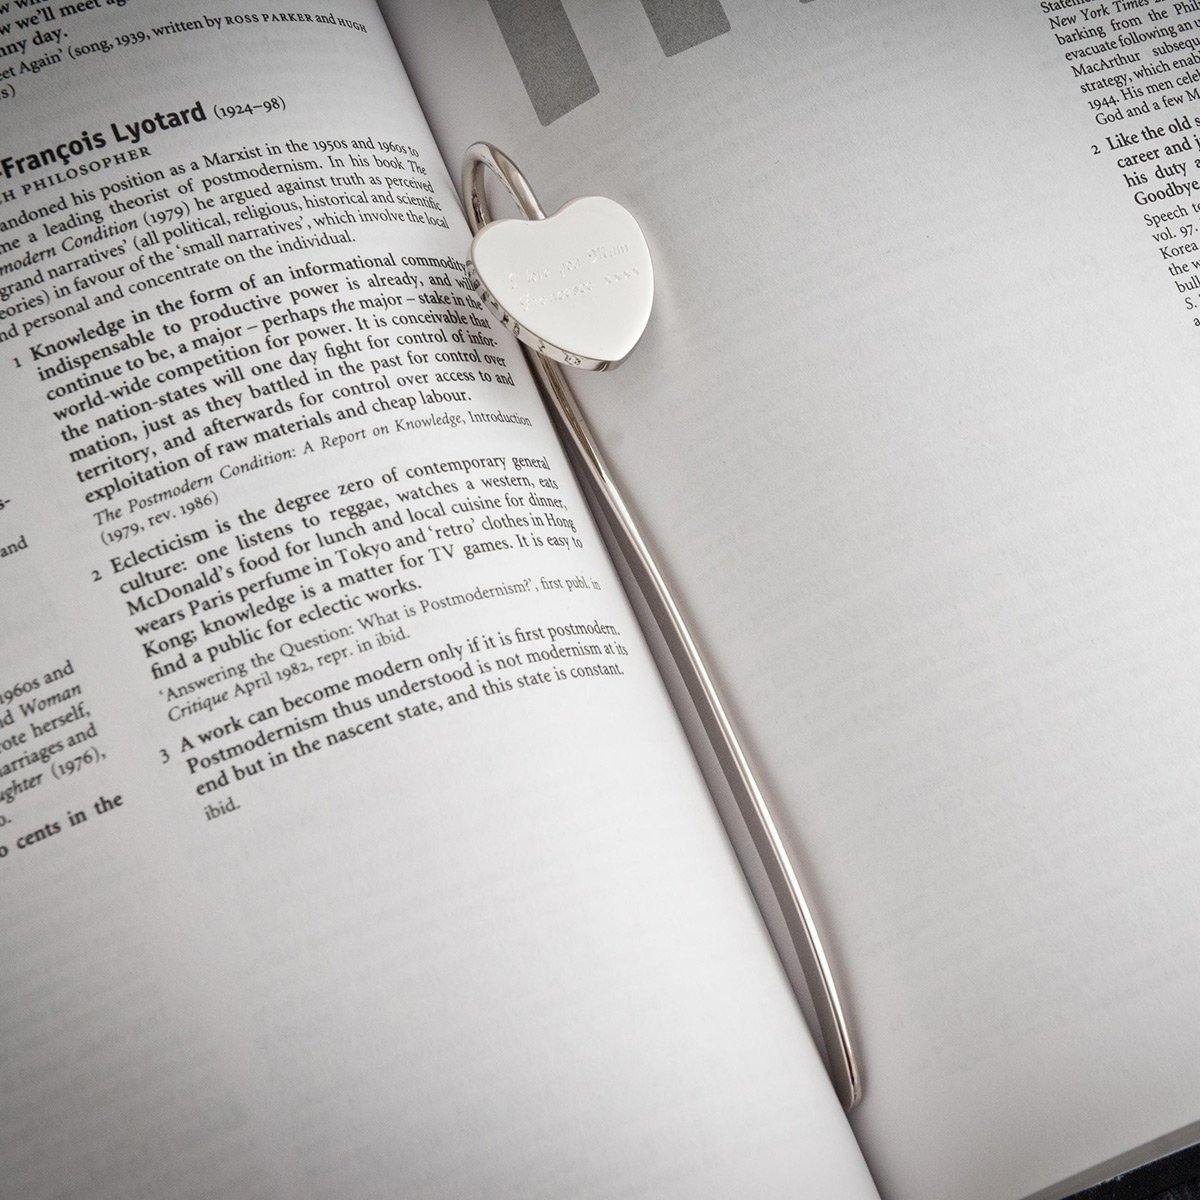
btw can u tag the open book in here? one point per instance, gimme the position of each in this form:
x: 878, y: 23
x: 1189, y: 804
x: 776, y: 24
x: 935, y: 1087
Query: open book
x: 350, y: 843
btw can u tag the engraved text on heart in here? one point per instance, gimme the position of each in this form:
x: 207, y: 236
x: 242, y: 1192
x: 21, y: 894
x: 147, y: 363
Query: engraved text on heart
x: 549, y: 276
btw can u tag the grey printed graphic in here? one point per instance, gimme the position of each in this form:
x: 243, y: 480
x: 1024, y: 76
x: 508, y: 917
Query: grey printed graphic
x: 552, y: 65
x: 681, y: 24
x: 547, y: 55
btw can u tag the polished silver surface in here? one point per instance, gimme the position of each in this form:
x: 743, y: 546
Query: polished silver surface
x: 802, y: 927
x: 576, y: 286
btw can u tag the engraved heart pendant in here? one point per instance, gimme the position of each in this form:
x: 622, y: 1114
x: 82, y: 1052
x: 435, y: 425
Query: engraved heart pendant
x: 576, y: 286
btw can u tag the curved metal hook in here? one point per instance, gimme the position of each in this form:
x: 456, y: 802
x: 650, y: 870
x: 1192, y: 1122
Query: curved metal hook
x: 484, y: 154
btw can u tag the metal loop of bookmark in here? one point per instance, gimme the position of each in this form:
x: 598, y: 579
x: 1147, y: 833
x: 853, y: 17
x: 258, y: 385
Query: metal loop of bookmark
x: 576, y: 287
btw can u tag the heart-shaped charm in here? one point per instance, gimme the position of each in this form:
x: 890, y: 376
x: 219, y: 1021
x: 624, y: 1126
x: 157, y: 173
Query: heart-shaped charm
x: 577, y: 286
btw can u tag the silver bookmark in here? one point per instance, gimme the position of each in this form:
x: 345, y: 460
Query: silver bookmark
x: 576, y: 287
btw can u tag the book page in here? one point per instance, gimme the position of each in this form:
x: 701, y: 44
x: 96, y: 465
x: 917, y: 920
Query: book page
x: 348, y: 844
x: 913, y: 425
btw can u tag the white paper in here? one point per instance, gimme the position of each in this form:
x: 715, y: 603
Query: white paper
x: 913, y: 425
x: 496, y: 948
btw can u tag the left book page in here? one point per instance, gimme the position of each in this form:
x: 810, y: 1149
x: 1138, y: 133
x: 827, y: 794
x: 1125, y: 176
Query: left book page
x: 347, y: 844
